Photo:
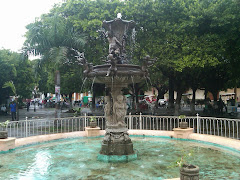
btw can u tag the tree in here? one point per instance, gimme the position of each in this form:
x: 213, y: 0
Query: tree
x: 16, y: 68
x: 160, y: 82
x: 188, y: 37
x: 7, y: 72
x: 54, y: 37
x: 11, y: 85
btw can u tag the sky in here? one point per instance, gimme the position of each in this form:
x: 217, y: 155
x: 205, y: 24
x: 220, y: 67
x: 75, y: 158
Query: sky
x: 15, y: 15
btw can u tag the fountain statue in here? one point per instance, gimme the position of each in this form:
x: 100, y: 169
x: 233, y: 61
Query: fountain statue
x: 116, y: 74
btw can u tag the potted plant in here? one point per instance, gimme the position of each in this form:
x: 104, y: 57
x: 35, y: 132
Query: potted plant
x: 4, y: 133
x: 187, y: 171
x: 93, y: 122
x: 77, y: 111
x: 182, y: 124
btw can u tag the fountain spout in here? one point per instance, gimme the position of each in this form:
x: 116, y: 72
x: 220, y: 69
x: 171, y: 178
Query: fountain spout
x: 119, y: 15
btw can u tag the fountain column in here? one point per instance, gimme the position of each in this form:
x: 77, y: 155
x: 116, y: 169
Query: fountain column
x: 116, y: 140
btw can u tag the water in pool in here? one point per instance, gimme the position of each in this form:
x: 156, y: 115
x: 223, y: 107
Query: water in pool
x: 76, y: 159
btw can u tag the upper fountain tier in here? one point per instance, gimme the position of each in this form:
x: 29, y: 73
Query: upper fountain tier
x: 117, y: 35
x: 116, y: 66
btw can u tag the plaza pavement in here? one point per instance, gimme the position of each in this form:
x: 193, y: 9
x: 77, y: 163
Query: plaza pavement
x: 40, y: 113
x: 49, y: 113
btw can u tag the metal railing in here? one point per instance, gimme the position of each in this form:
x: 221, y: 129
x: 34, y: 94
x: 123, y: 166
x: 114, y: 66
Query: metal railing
x: 203, y: 125
x: 20, y: 129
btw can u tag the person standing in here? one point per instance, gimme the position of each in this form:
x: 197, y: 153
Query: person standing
x: 4, y: 110
x: 28, y: 105
x: 221, y: 105
x: 13, y: 110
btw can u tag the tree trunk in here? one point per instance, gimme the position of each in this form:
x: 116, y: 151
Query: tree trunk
x: 178, y: 101
x: 215, y: 93
x: 161, y: 91
x: 235, y: 95
x: 192, y: 105
x: 70, y: 101
x: 17, y: 110
x: 215, y: 104
x: 205, y: 94
x: 171, y: 93
x: 158, y: 97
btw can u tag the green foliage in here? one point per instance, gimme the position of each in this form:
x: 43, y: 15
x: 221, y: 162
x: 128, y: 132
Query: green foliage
x: 185, y: 159
x: 181, y: 117
x: 77, y: 111
x: 191, y: 39
x: 4, y: 124
x: 92, y: 119
x: 10, y: 85
x: 16, y: 76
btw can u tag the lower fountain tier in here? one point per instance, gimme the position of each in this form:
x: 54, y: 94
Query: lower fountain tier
x: 117, y: 143
x: 125, y: 74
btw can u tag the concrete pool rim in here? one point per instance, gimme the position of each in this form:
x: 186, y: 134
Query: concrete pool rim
x: 217, y: 141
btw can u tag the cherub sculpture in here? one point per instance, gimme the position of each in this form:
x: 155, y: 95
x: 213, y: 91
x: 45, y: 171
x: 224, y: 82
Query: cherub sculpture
x: 88, y: 67
x: 114, y: 45
x: 113, y: 68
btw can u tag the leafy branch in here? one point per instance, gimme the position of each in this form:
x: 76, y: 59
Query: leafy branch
x: 11, y: 85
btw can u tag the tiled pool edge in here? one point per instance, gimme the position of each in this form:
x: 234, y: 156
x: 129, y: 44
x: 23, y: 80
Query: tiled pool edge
x: 232, y: 143
x: 42, y: 138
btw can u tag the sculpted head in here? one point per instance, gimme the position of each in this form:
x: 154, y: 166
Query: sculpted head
x: 120, y: 98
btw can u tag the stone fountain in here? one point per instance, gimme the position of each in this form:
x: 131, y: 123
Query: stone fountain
x: 116, y: 74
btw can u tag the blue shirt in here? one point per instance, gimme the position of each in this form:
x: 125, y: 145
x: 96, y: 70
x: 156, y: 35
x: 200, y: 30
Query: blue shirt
x: 13, y: 107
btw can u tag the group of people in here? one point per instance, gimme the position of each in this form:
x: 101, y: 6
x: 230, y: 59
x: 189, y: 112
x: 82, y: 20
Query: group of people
x: 216, y: 108
x: 13, y: 110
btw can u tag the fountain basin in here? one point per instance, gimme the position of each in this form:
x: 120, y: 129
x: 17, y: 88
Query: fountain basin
x: 75, y: 158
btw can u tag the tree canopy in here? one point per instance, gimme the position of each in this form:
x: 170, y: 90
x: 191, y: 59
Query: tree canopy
x: 191, y: 39
x: 15, y: 68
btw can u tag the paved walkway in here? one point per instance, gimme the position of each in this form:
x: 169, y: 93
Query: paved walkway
x: 40, y: 113
x: 49, y: 113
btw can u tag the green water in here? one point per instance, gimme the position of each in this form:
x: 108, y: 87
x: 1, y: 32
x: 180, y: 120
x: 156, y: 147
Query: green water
x: 77, y: 159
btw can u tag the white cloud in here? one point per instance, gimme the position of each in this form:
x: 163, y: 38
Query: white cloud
x: 15, y: 15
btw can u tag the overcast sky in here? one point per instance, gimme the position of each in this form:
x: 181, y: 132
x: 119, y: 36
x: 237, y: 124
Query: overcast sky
x: 15, y: 15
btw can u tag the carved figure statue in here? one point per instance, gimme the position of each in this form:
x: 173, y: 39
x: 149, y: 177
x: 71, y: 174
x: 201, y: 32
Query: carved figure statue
x: 119, y: 110
x: 107, y: 109
x: 113, y: 68
x: 114, y: 44
x: 88, y: 67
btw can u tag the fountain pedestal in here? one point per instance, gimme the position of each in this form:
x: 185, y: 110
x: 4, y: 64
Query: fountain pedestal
x: 117, y: 143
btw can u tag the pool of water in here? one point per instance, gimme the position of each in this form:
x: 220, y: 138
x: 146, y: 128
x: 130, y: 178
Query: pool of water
x: 77, y: 159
